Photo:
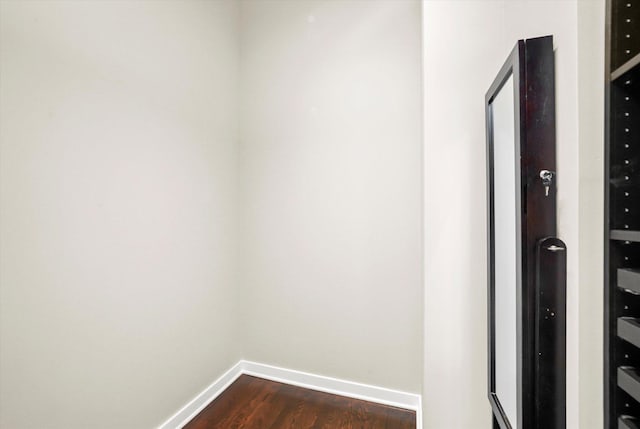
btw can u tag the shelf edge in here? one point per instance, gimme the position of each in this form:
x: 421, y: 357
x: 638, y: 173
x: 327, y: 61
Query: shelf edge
x: 625, y: 68
x: 624, y: 235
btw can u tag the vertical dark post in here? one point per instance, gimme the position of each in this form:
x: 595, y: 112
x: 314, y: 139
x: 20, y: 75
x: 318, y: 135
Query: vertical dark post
x: 551, y: 326
x: 539, y: 208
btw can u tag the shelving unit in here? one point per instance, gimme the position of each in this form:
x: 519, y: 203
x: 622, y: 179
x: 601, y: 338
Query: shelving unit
x: 622, y: 216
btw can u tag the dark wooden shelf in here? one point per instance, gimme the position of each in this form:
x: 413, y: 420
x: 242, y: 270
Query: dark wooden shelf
x: 625, y: 68
x: 622, y: 204
x: 629, y: 381
x: 629, y: 330
x: 629, y: 280
x: 628, y: 422
x: 625, y: 235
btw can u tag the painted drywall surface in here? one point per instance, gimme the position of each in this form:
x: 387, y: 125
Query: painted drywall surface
x: 462, y: 54
x: 331, y: 179
x: 591, y: 18
x: 484, y: 36
x: 117, y: 191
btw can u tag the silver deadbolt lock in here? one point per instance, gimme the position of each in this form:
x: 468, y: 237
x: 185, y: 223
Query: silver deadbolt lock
x: 547, y: 179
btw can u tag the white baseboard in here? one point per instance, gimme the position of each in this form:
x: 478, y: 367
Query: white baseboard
x: 197, y: 404
x: 350, y: 389
x: 335, y: 386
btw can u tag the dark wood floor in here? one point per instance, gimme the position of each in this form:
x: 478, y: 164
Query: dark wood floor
x: 254, y: 403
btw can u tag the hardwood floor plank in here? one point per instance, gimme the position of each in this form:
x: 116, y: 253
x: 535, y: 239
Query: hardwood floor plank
x: 397, y: 418
x: 255, y: 403
x: 295, y: 415
x: 229, y: 403
x: 328, y: 410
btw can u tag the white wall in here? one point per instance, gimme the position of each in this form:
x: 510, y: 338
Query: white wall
x: 457, y: 73
x: 591, y: 18
x: 460, y: 62
x: 118, y: 196
x: 331, y: 152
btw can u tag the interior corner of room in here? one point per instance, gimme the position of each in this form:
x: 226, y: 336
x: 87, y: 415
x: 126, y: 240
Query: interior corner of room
x: 196, y: 191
